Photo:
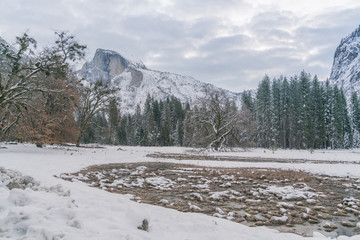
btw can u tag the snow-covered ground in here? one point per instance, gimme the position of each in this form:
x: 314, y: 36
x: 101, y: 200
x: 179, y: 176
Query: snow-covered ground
x: 352, y: 155
x: 50, y: 211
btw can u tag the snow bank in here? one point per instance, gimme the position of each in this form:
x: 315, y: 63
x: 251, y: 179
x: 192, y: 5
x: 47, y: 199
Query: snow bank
x: 351, y: 155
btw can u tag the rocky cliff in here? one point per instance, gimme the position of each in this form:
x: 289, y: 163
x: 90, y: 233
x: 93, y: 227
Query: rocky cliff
x: 346, y: 66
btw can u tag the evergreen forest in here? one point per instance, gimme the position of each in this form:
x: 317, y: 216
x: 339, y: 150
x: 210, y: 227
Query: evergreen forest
x: 296, y: 113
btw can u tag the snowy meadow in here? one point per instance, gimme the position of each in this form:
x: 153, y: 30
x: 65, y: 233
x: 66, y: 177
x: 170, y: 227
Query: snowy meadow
x: 106, y: 192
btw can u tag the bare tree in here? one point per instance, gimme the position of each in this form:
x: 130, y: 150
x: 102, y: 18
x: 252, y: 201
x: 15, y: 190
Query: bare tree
x: 93, y: 99
x: 50, y: 119
x: 216, y: 123
x: 20, y: 70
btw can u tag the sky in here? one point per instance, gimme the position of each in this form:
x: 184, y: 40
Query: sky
x: 229, y: 43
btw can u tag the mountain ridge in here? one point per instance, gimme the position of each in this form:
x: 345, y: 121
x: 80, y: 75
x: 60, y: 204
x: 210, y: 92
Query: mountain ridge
x: 136, y: 81
x: 345, y: 70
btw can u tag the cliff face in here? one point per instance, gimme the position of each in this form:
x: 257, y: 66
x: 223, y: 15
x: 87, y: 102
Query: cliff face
x: 136, y: 81
x: 346, y: 66
x: 106, y: 65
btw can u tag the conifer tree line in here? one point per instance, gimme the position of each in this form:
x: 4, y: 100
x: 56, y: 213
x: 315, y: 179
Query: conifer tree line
x: 303, y: 113
x: 159, y: 123
x: 296, y: 113
x: 215, y: 122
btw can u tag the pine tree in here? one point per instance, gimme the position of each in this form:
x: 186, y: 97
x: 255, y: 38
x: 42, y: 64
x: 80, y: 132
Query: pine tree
x: 263, y: 113
x: 355, y: 119
x: 130, y: 130
x: 306, y: 126
x: 114, y: 120
x: 355, y: 111
x: 285, y: 113
x: 164, y: 132
x: 156, y: 112
x: 347, y: 131
x: 138, y: 126
x: 328, y: 114
x: 337, y: 120
x: 275, y: 112
x: 247, y: 101
x: 121, y: 132
x: 151, y: 128
x: 294, y: 113
x: 177, y: 114
x: 318, y: 105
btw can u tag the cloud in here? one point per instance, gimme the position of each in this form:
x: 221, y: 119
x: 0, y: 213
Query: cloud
x: 229, y: 43
x: 226, y: 43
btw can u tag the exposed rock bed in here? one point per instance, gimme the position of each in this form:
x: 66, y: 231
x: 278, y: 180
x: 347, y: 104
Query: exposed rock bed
x: 289, y: 201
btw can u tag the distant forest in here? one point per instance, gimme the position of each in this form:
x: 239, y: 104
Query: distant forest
x: 296, y: 113
x: 43, y: 101
x: 304, y: 113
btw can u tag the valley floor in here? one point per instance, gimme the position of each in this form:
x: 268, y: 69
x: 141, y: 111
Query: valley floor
x: 51, y: 207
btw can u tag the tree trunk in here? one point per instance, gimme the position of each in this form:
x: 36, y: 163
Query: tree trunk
x: 79, y: 138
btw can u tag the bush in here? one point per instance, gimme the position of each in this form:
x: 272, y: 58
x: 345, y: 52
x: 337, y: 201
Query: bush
x: 145, y: 225
x: 39, y: 145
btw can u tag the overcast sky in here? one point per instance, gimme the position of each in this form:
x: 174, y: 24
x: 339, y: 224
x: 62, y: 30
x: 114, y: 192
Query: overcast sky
x: 229, y: 43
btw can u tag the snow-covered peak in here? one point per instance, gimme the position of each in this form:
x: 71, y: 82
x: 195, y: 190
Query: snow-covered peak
x: 351, y: 36
x: 128, y: 60
x: 346, y: 66
x: 136, y: 81
x: 107, y: 64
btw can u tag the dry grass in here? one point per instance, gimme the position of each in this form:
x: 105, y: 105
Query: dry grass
x: 249, y: 206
